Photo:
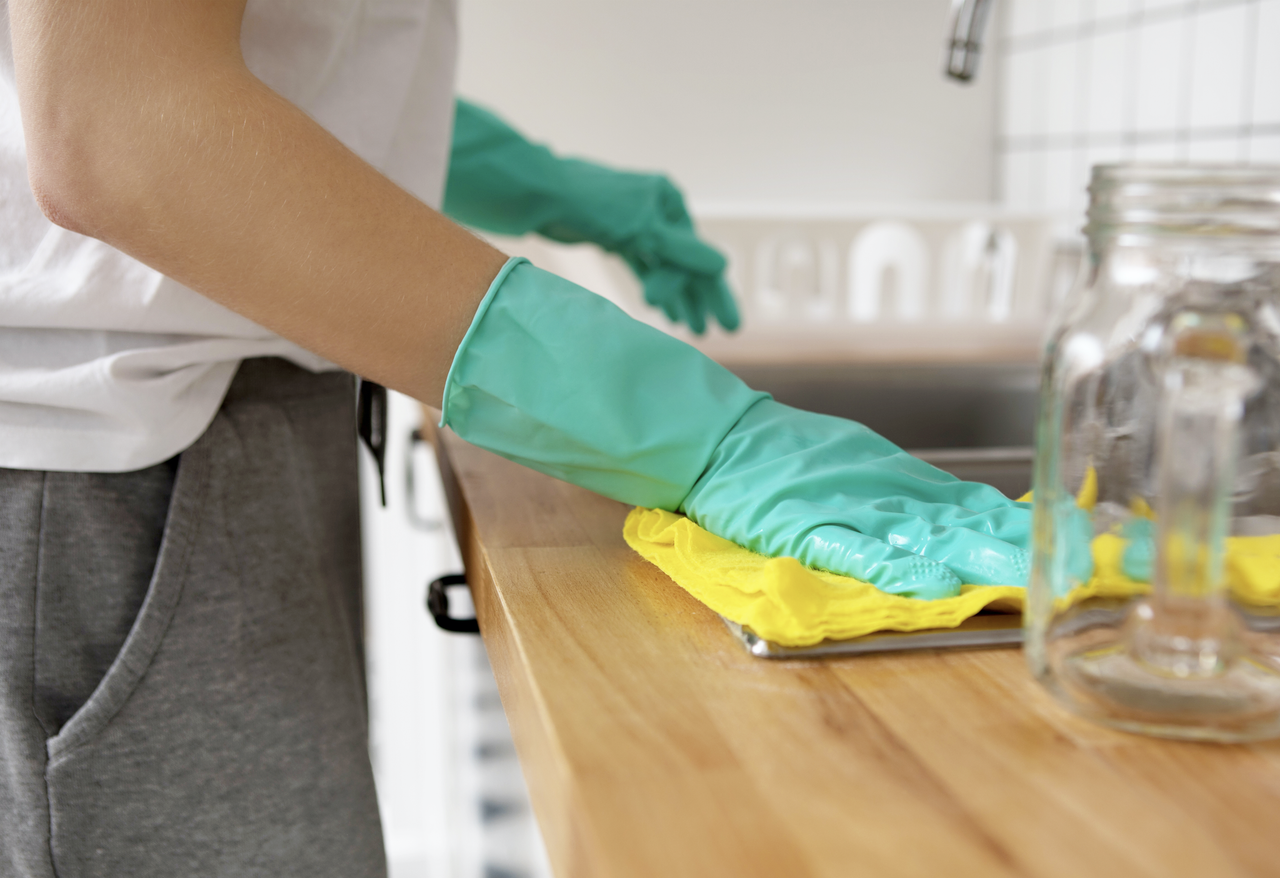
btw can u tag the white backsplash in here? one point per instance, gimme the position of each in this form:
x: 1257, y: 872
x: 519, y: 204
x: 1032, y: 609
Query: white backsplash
x: 1085, y: 82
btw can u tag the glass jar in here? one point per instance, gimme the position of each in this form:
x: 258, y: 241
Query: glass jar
x: 1154, y: 598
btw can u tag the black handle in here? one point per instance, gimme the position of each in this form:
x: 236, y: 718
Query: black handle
x: 438, y: 605
x: 371, y: 425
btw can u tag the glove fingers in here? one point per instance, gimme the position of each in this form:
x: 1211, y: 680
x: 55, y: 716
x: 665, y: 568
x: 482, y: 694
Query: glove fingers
x: 701, y: 295
x: 695, y: 310
x: 639, y: 268
x: 714, y: 292
x: 668, y: 288
x: 975, y: 557
x: 1009, y: 523
x: 672, y: 310
x: 662, y: 288
x: 683, y: 248
x: 888, y: 568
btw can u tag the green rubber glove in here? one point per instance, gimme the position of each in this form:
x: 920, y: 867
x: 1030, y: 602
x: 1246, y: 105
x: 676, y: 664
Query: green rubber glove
x: 1139, y: 559
x: 499, y: 182
x: 837, y: 496
x: 560, y: 380
x: 1071, y: 557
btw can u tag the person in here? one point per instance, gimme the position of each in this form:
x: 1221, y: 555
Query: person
x: 208, y: 206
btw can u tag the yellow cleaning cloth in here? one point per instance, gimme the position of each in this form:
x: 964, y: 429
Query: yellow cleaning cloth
x: 783, y: 601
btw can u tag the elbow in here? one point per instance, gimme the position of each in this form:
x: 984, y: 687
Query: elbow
x: 62, y: 175
x: 83, y: 162
x: 56, y: 201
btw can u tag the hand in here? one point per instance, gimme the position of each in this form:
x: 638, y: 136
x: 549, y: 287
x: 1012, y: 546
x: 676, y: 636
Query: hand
x: 681, y: 274
x: 502, y: 183
x: 559, y: 379
x: 839, y: 497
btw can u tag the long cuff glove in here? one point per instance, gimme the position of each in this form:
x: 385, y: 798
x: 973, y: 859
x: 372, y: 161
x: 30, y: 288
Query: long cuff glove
x: 560, y: 380
x: 502, y: 183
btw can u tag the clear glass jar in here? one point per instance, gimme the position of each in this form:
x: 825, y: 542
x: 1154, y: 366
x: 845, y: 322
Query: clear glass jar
x: 1154, y: 599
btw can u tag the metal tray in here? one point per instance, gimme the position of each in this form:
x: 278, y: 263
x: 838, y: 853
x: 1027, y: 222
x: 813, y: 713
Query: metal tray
x: 982, y: 630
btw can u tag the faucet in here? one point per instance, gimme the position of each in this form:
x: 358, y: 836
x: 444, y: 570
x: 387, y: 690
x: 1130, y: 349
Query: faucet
x: 968, y: 18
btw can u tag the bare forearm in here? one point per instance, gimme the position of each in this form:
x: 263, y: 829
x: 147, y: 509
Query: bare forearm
x: 146, y: 130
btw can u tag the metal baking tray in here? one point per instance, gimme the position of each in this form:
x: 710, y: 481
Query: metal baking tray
x: 982, y: 630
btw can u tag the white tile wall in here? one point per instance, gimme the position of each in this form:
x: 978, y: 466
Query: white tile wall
x: 1059, y: 169
x: 1106, y: 74
x: 1060, y: 91
x: 1219, y: 149
x: 1266, y: 90
x: 1026, y: 18
x: 1024, y: 105
x: 1067, y: 13
x: 1221, y: 49
x: 1155, y: 151
x: 1093, y: 81
x: 1106, y: 10
x: 1265, y: 149
x: 1160, y: 4
x: 1160, y: 61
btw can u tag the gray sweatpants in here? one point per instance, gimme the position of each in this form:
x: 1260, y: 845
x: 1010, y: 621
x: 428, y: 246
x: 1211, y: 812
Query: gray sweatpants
x: 181, y: 684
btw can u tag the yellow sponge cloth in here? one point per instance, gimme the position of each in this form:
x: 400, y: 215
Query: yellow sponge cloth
x: 782, y: 600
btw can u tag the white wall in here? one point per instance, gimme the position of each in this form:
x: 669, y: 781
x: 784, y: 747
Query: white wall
x: 1093, y: 81
x: 770, y: 101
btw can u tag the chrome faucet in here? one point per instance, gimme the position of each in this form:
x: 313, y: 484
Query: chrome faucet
x: 968, y: 18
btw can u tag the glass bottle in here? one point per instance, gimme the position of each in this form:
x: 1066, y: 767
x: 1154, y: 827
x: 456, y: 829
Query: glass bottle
x: 1154, y: 598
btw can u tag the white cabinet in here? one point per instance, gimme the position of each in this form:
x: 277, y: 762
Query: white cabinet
x: 452, y: 797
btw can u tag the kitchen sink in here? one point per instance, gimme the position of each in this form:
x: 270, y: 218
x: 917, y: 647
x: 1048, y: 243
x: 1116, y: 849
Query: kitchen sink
x: 974, y: 420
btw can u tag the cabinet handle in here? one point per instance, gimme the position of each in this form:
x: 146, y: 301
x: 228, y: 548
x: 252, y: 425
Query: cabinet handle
x: 371, y: 426
x: 438, y: 605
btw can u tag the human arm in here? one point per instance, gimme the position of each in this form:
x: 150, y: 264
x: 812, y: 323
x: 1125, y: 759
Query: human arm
x: 145, y: 129
x: 562, y: 381
x: 501, y: 182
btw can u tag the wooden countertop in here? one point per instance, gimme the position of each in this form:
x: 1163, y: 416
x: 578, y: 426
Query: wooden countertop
x: 654, y: 745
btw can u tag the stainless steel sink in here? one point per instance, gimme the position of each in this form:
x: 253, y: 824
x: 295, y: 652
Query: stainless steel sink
x: 974, y: 420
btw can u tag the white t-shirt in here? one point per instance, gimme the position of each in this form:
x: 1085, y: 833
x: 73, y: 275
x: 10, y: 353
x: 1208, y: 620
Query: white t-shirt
x: 107, y: 365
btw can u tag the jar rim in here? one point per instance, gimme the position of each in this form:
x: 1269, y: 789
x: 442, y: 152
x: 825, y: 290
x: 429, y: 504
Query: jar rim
x: 1158, y: 200
x: 1207, y: 173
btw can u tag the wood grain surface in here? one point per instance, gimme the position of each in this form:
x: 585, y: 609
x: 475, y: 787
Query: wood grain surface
x: 654, y: 745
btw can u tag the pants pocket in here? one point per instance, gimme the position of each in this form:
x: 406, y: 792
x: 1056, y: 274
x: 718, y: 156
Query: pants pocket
x: 154, y: 615
x: 229, y: 736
